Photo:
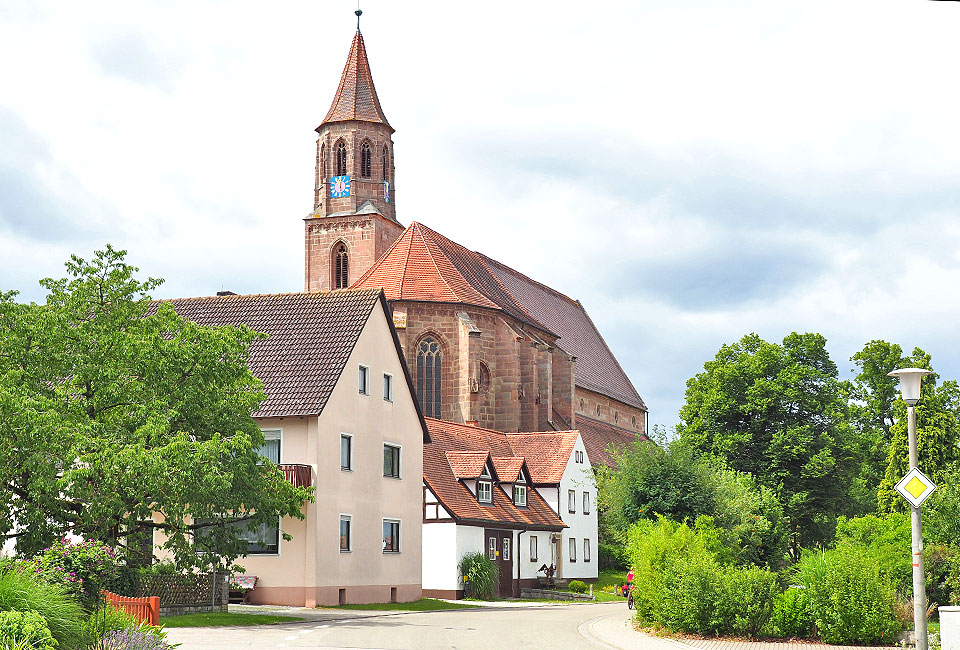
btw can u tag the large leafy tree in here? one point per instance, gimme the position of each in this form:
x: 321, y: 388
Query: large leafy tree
x: 118, y: 417
x: 777, y: 412
x: 880, y: 419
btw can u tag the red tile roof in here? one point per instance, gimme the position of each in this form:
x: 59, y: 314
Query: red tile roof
x: 448, y: 438
x: 546, y: 452
x: 599, y: 436
x: 508, y: 467
x: 424, y: 265
x: 467, y: 464
x: 356, y: 98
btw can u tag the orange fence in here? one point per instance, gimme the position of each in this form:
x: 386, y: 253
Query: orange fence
x: 145, y: 609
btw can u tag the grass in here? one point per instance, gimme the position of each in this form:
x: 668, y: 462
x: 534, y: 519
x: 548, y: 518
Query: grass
x: 610, y: 579
x: 224, y: 619
x: 422, y: 605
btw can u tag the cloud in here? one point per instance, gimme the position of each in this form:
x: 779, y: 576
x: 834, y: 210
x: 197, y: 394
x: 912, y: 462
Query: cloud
x: 131, y: 57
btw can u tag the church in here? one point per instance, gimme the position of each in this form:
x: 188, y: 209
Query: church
x: 485, y: 344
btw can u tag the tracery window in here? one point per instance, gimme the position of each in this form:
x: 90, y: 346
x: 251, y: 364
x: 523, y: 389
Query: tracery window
x: 429, y: 362
x: 365, y: 160
x: 341, y: 158
x: 340, y: 268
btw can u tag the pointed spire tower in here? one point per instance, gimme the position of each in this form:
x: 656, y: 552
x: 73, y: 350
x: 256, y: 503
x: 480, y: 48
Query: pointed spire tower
x: 353, y: 220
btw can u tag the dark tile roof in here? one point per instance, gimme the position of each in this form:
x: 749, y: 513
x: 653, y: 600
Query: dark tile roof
x: 599, y: 436
x: 356, y: 98
x: 449, y: 438
x: 424, y: 265
x: 310, y: 338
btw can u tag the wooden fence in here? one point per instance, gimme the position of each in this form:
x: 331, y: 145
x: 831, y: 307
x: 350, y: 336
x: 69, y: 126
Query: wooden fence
x: 145, y: 609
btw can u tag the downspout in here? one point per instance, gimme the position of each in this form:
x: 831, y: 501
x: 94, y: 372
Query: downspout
x: 517, y: 555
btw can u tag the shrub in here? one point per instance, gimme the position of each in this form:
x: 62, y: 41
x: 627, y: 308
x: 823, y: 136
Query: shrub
x: 849, y: 599
x: 790, y: 617
x: 480, y: 575
x: 85, y: 568
x: 26, y: 629
x: 131, y: 639
x: 577, y: 586
x: 692, y: 596
x: 748, y: 598
x: 22, y: 590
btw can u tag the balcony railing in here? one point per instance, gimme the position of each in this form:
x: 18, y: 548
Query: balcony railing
x: 299, y: 475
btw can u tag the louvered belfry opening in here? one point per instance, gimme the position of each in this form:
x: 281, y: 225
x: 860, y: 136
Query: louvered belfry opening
x: 340, y: 280
x: 341, y: 158
x: 366, y: 161
x: 385, y: 163
x: 429, y: 361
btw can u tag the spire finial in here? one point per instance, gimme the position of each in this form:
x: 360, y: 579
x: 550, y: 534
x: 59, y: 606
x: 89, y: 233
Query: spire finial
x: 359, y: 13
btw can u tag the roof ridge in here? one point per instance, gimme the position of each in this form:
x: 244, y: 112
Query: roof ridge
x: 529, y: 279
x: 269, y: 295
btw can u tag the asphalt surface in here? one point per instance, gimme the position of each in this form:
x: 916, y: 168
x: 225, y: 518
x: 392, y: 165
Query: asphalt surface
x: 521, y: 625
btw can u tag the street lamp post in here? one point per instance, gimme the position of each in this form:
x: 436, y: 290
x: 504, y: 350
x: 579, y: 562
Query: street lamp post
x: 910, y: 391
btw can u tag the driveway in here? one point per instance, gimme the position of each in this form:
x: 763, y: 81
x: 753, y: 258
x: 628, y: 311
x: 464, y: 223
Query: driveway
x: 566, y: 627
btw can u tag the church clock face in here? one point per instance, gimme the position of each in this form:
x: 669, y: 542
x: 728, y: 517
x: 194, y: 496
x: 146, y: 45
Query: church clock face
x: 339, y: 186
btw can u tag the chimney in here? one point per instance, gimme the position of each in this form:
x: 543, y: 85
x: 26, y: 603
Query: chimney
x: 473, y: 423
x: 226, y: 293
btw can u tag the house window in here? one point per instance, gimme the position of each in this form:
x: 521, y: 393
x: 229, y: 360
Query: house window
x: 586, y: 503
x: 364, y: 380
x: 391, y: 536
x: 586, y: 550
x: 429, y: 361
x: 391, y: 461
x: 492, y: 548
x: 506, y: 548
x: 387, y: 387
x: 340, y: 268
x: 341, y: 158
x: 533, y: 548
x: 571, y: 501
x: 578, y: 456
x: 345, y: 521
x: 270, y: 449
x: 346, y: 452
x: 261, y: 540
x: 573, y: 550
x: 365, y: 160
x: 484, y: 492
x: 385, y: 163
x: 520, y: 495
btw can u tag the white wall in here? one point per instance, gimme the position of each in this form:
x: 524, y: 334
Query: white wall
x: 440, y: 556
x: 578, y: 477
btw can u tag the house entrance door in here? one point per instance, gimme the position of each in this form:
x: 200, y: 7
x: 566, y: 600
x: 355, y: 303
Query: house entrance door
x: 500, y: 550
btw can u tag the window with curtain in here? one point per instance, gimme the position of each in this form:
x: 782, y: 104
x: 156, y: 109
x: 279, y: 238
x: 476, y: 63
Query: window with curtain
x: 429, y: 372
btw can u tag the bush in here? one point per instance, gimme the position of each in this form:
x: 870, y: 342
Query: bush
x: 481, y: 576
x: 85, y: 568
x: 25, y: 629
x: 748, y: 599
x: 849, y: 599
x: 133, y: 639
x: 790, y: 617
x: 22, y: 591
x: 577, y: 586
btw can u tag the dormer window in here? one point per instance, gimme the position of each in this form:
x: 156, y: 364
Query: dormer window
x: 485, y: 487
x: 520, y: 495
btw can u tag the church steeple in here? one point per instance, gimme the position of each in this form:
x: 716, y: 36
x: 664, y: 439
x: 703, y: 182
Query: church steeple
x: 353, y: 220
x: 356, y: 97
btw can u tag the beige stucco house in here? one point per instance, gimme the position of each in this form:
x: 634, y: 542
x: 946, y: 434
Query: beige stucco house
x: 340, y: 415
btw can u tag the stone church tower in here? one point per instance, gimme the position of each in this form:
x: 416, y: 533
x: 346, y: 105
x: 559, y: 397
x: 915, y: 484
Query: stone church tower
x: 354, y: 211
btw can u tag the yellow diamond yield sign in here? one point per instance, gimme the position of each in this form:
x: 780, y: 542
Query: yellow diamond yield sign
x: 915, y: 487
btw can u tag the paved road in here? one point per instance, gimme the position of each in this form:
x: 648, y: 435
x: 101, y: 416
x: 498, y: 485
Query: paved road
x: 566, y: 627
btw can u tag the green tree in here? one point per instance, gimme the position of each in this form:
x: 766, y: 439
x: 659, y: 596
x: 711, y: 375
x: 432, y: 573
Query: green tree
x: 113, y: 409
x: 777, y: 412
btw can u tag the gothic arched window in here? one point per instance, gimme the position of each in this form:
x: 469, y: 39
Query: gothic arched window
x: 385, y: 163
x: 429, y: 358
x: 323, y: 161
x: 366, y: 162
x: 340, y: 268
x: 341, y: 158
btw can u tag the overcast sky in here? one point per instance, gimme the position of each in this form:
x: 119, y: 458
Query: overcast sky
x: 690, y: 171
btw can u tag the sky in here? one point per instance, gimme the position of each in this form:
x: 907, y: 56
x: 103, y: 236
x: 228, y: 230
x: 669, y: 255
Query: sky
x: 691, y: 172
